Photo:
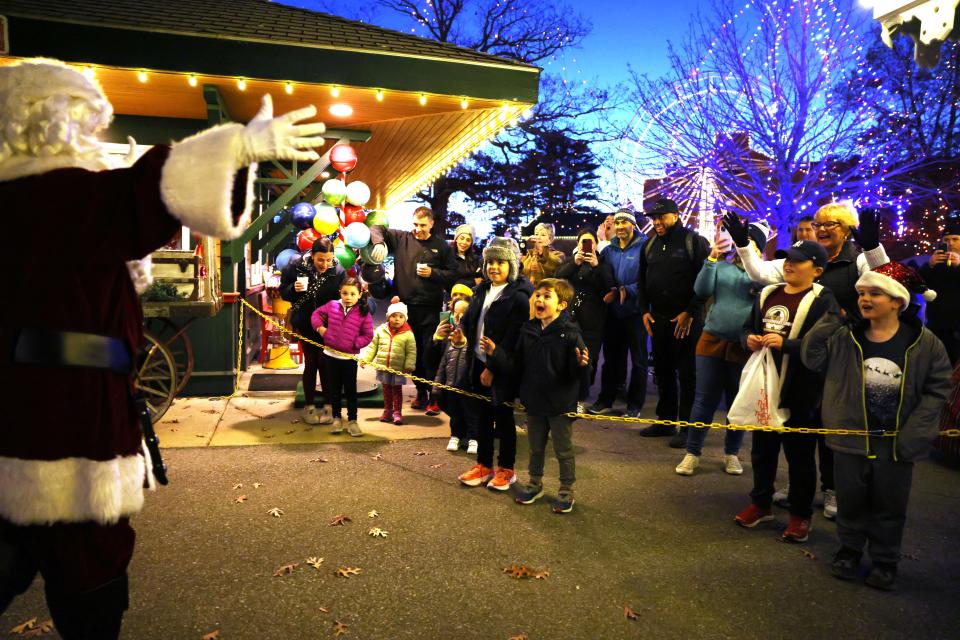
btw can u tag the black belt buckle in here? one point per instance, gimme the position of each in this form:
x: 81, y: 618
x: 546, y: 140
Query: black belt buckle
x: 52, y: 348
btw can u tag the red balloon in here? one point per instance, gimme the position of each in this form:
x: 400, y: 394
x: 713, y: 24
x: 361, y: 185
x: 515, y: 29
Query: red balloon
x: 343, y: 158
x: 353, y: 213
x: 306, y: 238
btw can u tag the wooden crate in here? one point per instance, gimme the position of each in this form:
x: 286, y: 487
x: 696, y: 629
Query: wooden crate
x: 179, y: 268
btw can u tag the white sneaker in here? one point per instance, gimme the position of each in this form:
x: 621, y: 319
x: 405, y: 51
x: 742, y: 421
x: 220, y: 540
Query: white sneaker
x: 732, y: 465
x: 829, y: 504
x: 354, y: 429
x: 472, y: 447
x: 687, y: 465
x: 780, y: 496
x: 310, y: 415
x: 454, y: 443
x: 337, y: 426
x: 326, y: 415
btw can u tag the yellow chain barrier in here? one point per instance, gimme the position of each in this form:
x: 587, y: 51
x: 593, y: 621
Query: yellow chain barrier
x: 953, y: 433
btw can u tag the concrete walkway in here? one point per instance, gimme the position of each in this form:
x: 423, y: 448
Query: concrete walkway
x: 640, y: 537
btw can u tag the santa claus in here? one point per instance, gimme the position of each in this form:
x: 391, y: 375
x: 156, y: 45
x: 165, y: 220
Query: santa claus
x: 72, y: 465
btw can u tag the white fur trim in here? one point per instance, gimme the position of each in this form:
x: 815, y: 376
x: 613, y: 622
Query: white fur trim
x: 197, y: 182
x: 141, y: 273
x: 886, y: 284
x: 70, y: 489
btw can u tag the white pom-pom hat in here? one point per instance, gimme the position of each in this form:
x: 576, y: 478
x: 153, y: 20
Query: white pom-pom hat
x: 397, y: 307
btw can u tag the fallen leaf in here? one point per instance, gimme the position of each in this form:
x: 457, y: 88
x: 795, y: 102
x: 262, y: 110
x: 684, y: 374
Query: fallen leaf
x: 373, y: 514
x: 808, y: 554
x: 288, y: 432
x: 23, y: 626
x: 241, y: 499
x: 173, y: 421
x: 286, y: 569
x: 522, y: 636
x: 420, y: 453
x: 346, y: 572
x: 339, y: 628
x: 340, y: 520
x: 315, y: 562
x: 174, y: 429
x: 209, y: 411
x: 199, y: 435
x: 518, y: 571
x: 41, y: 629
x: 239, y: 485
x: 437, y: 466
x: 542, y: 574
x: 324, y: 610
x: 319, y: 460
x: 257, y: 485
x: 276, y: 512
x: 377, y: 532
x: 213, y: 635
x: 630, y: 614
x: 379, y: 456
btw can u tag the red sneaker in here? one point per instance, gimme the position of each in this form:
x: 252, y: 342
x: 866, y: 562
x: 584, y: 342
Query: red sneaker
x: 476, y: 476
x: 752, y: 516
x: 502, y: 479
x: 419, y: 403
x: 433, y: 409
x: 797, y: 531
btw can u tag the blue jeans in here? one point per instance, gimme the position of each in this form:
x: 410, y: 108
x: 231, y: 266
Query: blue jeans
x: 715, y: 378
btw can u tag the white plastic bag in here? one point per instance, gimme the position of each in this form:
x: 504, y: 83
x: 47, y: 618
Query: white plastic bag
x: 758, y: 400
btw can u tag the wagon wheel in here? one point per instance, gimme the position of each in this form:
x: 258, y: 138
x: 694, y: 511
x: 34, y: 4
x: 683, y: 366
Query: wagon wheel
x: 177, y: 342
x: 157, y: 377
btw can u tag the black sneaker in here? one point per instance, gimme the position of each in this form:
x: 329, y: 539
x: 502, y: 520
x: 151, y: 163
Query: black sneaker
x: 679, y: 439
x: 602, y: 409
x: 883, y: 576
x: 845, y: 564
x: 658, y: 431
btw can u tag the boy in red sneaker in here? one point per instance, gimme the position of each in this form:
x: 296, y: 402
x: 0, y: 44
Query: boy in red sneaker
x: 552, y: 362
x: 782, y: 315
x: 889, y: 377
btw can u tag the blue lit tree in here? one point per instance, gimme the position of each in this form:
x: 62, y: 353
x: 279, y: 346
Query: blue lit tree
x: 753, y: 116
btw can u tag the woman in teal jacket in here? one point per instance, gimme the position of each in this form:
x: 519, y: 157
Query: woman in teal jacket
x: 720, y: 357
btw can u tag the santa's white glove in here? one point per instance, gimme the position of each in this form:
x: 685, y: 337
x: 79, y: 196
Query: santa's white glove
x: 269, y: 138
x: 379, y: 253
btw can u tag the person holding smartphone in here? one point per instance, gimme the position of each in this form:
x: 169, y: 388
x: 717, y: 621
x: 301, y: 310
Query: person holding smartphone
x: 593, y: 284
x: 942, y: 273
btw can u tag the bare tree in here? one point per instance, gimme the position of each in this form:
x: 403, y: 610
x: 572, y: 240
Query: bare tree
x: 750, y: 118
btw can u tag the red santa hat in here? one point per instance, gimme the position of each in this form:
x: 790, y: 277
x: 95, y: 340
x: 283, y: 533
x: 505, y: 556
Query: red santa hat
x: 897, y: 281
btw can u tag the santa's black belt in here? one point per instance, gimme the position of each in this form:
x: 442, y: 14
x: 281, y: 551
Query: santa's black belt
x: 52, y: 348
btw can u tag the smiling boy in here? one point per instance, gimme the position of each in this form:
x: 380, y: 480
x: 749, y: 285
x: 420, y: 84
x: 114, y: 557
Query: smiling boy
x: 782, y: 315
x: 552, y: 360
x: 888, y: 376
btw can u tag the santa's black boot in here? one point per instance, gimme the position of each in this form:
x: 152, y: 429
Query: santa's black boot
x: 91, y: 615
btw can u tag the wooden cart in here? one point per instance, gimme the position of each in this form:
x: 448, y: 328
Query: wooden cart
x: 169, y: 359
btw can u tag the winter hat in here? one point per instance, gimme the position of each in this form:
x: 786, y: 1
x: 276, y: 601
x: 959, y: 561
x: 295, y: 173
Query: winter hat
x: 465, y: 228
x: 397, y: 307
x: 625, y: 213
x: 462, y: 289
x: 503, y: 250
x: 372, y: 273
x: 897, y: 281
x: 952, y: 228
x: 759, y: 232
x: 662, y: 206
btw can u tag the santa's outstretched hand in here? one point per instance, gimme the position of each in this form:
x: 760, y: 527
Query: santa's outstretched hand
x: 280, y: 138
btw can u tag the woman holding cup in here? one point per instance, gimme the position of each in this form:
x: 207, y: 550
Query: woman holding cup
x: 307, y: 284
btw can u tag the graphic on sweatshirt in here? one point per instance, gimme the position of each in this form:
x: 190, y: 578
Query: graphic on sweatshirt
x: 882, y: 383
x: 777, y: 320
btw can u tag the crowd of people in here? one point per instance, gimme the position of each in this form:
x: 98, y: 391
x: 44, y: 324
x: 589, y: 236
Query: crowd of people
x: 836, y: 320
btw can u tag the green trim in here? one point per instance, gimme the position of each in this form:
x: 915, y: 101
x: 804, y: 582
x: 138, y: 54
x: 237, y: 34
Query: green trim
x: 31, y: 37
x: 217, y: 112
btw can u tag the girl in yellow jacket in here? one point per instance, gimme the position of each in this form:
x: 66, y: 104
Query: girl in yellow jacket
x: 393, y: 347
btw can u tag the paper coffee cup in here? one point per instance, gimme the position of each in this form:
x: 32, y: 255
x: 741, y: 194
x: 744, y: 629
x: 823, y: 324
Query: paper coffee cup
x: 304, y: 281
x: 421, y: 265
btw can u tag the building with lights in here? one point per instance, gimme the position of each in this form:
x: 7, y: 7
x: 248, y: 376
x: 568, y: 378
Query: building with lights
x: 413, y: 108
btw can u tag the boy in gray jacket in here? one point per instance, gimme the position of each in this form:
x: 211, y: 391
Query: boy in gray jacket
x: 889, y: 377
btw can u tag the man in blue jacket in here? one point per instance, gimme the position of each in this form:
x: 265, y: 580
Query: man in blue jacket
x: 624, y: 329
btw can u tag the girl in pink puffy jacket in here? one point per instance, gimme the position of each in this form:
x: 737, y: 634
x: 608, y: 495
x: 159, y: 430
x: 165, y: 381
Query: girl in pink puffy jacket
x: 347, y: 327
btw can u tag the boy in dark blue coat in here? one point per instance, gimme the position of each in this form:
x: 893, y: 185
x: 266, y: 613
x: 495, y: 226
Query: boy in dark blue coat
x: 552, y: 361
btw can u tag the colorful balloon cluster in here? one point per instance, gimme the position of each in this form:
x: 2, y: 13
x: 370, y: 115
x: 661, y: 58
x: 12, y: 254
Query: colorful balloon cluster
x: 341, y: 214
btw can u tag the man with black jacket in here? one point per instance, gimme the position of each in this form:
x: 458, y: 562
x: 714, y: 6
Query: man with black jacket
x: 942, y: 273
x: 424, y: 267
x: 672, y: 313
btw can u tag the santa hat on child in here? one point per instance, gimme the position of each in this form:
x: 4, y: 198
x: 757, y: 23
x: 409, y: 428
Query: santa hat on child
x: 897, y: 281
x: 397, y: 307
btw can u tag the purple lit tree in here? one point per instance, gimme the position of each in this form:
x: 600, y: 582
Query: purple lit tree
x: 750, y: 117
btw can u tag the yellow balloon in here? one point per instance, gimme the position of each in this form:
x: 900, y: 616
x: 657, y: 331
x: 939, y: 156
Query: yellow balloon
x: 326, y: 221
